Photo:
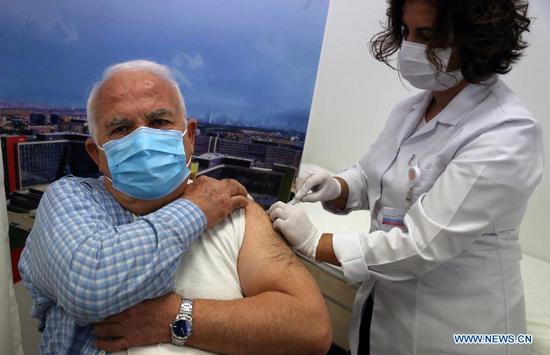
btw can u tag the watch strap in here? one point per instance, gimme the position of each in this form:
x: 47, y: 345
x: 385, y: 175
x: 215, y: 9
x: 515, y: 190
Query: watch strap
x: 186, y: 307
x: 185, y: 313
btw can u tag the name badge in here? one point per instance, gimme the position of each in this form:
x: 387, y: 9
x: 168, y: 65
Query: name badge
x: 392, y: 218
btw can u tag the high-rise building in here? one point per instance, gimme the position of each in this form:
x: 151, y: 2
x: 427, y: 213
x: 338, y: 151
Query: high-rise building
x: 232, y: 147
x: 63, y: 126
x: 77, y: 126
x: 54, y: 118
x: 257, y: 151
x: 203, y: 144
x: 37, y: 119
x: 9, y: 152
x: 47, y: 159
x: 77, y: 162
x: 41, y: 129
x: 18, y: 124
x: 41, y: 162
x: 266, y: 186
x: 210, y: 160
x: 282, y: 155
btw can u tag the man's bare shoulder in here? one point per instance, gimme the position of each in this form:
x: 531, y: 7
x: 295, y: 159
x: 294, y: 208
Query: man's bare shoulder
x: 258, y: 226
x: 266, y: 262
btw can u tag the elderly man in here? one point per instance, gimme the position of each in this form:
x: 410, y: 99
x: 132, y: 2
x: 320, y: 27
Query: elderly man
x: 102, y: 246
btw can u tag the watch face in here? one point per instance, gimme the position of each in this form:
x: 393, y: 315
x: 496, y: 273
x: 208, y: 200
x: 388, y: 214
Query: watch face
x: 181, y: 328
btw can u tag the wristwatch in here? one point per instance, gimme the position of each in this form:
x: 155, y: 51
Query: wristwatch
x: 182, y: 326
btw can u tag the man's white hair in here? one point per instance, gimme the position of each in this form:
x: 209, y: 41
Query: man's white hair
x: 162, y: 71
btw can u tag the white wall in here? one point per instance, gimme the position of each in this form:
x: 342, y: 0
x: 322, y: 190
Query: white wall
x: 354, y: 94
x: 530, y: 80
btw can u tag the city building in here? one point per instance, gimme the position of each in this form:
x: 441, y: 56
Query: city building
x: 264, y: 152
x: 54, y: 118
x: 266, y: 186
x: 231, y: 147
x: 37, y: 119
x: 282, y: 155
x: 210, y: 160
x: 41, y: 162
x: 41, y: 129
x: 9, y: 153
x: 44, y: 160
x: 204, y: 144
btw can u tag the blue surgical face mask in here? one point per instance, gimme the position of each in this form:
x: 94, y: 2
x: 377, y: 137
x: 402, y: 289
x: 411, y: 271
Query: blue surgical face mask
x: 147, y: 164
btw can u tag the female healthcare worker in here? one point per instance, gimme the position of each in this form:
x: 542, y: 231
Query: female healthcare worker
x: 446, y: 182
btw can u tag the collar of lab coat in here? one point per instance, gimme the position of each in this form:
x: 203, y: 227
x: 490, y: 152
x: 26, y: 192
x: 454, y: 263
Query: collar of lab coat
x: 415, y: 114
x: 461, y: 106
x: 466, y: 101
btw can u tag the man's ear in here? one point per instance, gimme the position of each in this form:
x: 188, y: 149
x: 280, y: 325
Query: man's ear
x: 191, y: 134
x: 93, y: 151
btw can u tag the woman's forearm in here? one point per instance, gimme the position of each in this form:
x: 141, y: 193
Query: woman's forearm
x: 342, y: 200
x: 325, y: 251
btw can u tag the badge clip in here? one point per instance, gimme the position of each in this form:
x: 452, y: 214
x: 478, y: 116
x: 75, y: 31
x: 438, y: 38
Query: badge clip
x: 414, y: 175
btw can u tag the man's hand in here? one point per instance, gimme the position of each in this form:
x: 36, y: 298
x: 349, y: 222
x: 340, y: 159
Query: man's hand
x: 144, y: 324
x: 216, y: 198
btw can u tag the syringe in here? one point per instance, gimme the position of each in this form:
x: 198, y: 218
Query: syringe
x: 293, y: 202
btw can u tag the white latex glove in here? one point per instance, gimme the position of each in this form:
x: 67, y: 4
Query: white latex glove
x: 324, y: 186
x: 294, y: 224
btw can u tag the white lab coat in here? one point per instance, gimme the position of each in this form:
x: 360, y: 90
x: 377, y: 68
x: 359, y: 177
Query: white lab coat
x: 456, y: 269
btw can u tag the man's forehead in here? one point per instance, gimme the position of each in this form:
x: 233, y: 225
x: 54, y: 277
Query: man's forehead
x: 136, y: 89
x: 134, y: 82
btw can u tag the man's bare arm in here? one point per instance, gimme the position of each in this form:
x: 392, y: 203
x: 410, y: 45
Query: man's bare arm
x: 283, y: 311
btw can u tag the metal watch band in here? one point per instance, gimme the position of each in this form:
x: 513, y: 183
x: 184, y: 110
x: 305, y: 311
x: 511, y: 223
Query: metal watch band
x: 186, y: 307
x: 185, y: 313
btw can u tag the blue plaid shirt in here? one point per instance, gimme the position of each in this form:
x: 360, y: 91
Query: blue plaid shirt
x: 87, y: 258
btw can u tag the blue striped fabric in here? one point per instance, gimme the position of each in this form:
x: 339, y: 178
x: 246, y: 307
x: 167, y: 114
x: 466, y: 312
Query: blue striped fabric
x: 87, y: 258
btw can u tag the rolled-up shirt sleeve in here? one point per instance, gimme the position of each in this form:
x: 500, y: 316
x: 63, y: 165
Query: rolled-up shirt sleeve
x: 77, y: 258
x: 490, y: 177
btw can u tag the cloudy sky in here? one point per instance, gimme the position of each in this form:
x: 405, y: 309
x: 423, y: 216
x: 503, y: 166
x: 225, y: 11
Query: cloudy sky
x: 249, y: 59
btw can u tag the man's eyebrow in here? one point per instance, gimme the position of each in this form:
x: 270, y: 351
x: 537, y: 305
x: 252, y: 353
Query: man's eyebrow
x: 151, y: 116
x: 117, y: 121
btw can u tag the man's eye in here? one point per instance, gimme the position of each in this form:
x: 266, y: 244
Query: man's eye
x: 159, y: 122
x: 118, y: 130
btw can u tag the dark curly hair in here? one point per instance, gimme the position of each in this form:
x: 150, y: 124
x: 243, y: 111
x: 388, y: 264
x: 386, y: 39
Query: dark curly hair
x: 486, y: 35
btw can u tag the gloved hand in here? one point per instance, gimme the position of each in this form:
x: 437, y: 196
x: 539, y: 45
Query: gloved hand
x: 324, y: 186
x: 296, y: 227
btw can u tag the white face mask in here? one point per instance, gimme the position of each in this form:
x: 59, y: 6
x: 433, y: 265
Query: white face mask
x: 415, y: 67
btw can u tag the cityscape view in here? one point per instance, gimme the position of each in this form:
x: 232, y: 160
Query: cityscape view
x: 40, y: 146
x: 246, y: 69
